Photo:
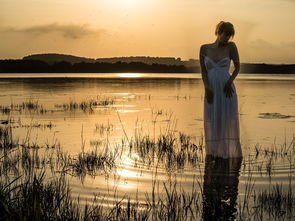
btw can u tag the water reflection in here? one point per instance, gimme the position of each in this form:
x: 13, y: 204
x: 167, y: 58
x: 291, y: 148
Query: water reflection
x: 130, y: 75
x: 221, y: 181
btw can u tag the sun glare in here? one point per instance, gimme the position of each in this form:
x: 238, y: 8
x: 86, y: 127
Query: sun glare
x: 130, y: 75
x: 127, y: 3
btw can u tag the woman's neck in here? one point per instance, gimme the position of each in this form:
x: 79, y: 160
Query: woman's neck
x: 219, y: 44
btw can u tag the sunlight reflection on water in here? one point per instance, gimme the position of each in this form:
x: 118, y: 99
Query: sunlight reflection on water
x: 144, y: 107
x: 130, y: 75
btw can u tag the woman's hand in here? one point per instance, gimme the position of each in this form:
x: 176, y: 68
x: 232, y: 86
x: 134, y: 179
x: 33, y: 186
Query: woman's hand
x: 228, y: 90
x: 209, y: 95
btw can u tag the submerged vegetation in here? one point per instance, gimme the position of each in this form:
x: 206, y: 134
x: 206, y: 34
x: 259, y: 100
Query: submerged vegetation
x: 184, y: 184
x: 27, y: 190
x: 86, y: 105
x: 91, y: 162
x: 32, y: 106
x: 175, y: 152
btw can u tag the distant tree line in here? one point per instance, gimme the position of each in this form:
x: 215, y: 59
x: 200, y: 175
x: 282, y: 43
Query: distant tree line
x: 37, y: 66
x: 268, y: 68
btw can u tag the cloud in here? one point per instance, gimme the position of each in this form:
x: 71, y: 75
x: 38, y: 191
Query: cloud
x: 290, y: 45
x: 71, y: 31
x: 262, y: 50
x: 263, y: 44
x: 260, y: 43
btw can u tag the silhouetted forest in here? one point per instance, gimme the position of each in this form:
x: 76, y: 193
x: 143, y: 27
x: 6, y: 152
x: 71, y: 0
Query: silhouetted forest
x: 268, y: 68
x: 37, y: 66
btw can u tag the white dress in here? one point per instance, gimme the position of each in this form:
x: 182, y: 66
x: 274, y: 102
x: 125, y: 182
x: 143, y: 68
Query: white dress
x: 221, y: 118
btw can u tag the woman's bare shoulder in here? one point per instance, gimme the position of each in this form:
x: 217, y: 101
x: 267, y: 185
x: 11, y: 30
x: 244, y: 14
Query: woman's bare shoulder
x: 204, y: 47
x: 232, y: 45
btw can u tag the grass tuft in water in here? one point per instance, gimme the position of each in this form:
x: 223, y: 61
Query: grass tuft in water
x: 35, y: 199
x: 92, y: 162
x: 6, y: 139
x: 86, y: 105
x: 172, y: 150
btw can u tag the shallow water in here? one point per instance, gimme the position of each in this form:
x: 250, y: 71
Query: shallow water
x: 152, y: 104
x: 136, y: 96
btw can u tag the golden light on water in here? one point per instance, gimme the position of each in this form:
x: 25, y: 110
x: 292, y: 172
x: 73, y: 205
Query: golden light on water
x: 130, y: 75
x: 128, y: 111
x: 127, y: 169
x: 126, y: 173
x: 126, y: 160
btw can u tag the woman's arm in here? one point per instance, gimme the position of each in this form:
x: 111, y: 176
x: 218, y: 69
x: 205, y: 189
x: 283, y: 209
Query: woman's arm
x: 234, y: 55
x: 208, y: 91
x: 203, y: 67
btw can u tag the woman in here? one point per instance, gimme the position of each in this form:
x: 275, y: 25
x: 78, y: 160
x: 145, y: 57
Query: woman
x: 221, y: 118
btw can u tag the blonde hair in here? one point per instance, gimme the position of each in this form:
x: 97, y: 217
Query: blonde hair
x: 225, y: 27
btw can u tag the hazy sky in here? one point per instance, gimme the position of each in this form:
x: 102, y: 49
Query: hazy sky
x: 265, y: 29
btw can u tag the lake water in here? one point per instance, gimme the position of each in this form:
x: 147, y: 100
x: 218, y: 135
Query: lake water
x: 138, y: 104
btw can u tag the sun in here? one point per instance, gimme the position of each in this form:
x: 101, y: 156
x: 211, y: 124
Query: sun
x: 131, y: 1
x: 128, y: 3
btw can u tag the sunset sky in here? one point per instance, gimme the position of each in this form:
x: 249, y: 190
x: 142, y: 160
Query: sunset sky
x: 265, y: 29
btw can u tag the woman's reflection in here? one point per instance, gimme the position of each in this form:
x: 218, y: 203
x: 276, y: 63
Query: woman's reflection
x: 221, y: 181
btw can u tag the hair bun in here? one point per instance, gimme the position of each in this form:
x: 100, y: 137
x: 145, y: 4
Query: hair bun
x: 226, y: 27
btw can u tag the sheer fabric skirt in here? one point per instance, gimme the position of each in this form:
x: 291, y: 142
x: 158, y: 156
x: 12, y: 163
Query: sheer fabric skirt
x: 221, y: 120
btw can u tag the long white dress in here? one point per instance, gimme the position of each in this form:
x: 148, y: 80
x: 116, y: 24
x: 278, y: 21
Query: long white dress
x: 221, y: 118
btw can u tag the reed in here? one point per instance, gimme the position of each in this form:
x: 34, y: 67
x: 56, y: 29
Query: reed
x: 29, y: 192
x: 173, y: 151
x: 103, y: 129
x: 93, y: 162
x: 6, y: 138
x: 5, y: 110
x: 86, y: 105
x: 35, y: 199
x: 31, y: 106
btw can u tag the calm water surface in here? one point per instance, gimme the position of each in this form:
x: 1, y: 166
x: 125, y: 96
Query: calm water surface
x: 150, y: 104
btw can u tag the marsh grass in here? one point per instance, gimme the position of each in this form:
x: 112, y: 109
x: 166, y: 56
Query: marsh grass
x: 177, y: 204
x: 93, y: 162
x: 269, y: 155
x: 276, y: 150
x: 28, y: 155
x: 35, y: 199
x: 86, y: 105
x: 30, y: 105
x: 28, y: 190
x: 49, y: 125
x: 103, y: 129
x: 5, y: 110
x: 33, y: 106
x: 6, y: 138
x: 276, y: 201
x: 30, y: 196
x: 173, y: 151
